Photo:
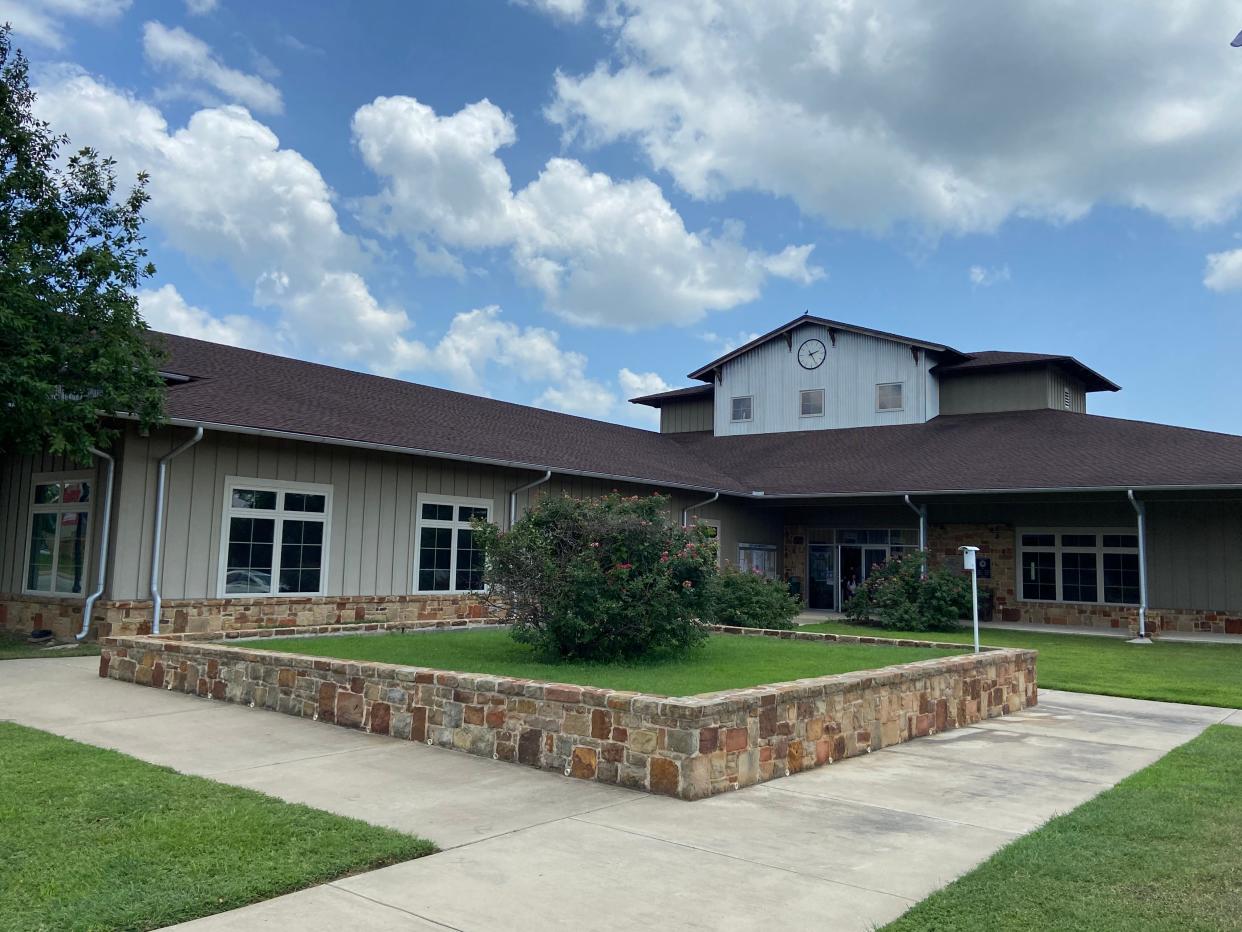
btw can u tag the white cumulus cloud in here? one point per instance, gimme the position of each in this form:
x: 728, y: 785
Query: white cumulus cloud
x: 946, y: 117
x: 223, y: 189
x: 1224, y: 271
x: 983, y: 277
x: 42, y: 21
x: 201, y: 7
x: 599, y: 250
x: 572, y: 10
x: 194, y: 63
x: 164, y: 309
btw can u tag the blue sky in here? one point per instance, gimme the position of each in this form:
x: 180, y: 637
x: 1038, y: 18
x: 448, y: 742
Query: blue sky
x: 563, y: 203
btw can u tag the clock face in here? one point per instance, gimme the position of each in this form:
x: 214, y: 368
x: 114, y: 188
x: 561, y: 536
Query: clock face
x: 811, y: 354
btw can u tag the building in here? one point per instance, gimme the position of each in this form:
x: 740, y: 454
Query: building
x: 284, y: 490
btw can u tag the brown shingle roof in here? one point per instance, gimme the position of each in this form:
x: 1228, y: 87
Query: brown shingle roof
x: 1009, y: 451
x: 986, y: 360
x: 1045, y: 449
x: 659, y: 398
x: 243, y: 388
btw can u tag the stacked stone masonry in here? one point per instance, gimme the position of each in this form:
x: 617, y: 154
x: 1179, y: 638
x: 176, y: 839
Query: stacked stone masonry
x: 24, y: 613
x: 689, y: 747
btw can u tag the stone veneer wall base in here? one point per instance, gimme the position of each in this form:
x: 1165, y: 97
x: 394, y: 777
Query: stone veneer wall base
x: 688, y: 747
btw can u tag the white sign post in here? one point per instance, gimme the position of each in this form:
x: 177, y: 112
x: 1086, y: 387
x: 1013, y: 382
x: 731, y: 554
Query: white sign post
x: 968, y: 561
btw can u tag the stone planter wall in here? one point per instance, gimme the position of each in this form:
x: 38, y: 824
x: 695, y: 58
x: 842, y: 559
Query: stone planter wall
x: 689, y: 747
x: 24, y: 613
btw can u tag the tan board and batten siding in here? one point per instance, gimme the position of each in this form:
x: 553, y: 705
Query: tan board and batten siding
x: 1024, y: 389
x: 17, y: 479
x: 682, y: 417
x: 770, y: 373
x: 372, y: 543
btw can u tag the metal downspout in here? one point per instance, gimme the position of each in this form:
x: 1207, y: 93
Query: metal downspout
x: 1141, y: 511
x: 921, y: 511
x: 522, y: 488
x: 101, y: 562
x: 685, y: 512
x: 157, y: 534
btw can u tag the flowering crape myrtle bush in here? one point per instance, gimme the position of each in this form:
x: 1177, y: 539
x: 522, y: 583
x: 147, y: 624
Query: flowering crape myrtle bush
x: 751, y: 600
x: 610, y: 578
x: 897, y: 595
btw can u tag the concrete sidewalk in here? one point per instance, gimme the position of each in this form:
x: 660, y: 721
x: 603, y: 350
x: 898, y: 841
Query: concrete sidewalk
x: 844, y: 847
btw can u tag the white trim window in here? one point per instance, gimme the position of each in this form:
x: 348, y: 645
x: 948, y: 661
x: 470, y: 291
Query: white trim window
x: 59, y: 535
x: 274, y: 538
x: 743, y: 408
x: 757, y: 558
x: 1093, y: 565
x: 448, y: 558
x: 712, y: 527
x: 889, y: 396
x: 811, y: 402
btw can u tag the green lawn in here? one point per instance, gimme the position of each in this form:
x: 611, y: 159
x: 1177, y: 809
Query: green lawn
x: 93, y: 839
x: 1157, y: 851
x: 1202, y: 674
x: 723, y: 662
x: 14, y: 647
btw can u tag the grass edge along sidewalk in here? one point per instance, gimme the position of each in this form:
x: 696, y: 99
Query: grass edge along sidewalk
x: 1157, y: 851
x: 1165, y: 671
x: 95, y: 839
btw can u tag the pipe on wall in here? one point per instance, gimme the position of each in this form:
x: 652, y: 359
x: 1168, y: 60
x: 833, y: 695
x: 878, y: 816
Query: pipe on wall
x: 1140, y: 511
x: 685, y: 512
x: 523, y: 488
x: 101, y: 561
x: 161, y: 472
x: 921, y: 511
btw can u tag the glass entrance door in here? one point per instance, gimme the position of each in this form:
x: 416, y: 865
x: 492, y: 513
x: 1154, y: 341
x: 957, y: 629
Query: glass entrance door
x: 821, y: 590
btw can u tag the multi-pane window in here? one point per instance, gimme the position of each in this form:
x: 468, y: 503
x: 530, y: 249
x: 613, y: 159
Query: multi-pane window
x: 811, y: 402
x: 743, y: 408
x: 757, y: 558
x: 59, y: 539
x: 449, y: 558
x: 888, y: 396
x: 274, y: 539
x: 1078, y: 566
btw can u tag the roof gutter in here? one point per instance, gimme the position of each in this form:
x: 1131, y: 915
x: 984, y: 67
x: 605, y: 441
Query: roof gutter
x: 685, y: 512
x: 101, y: 562
x: 157, y: 533
x: 658, y: 483
x: 523, y: 488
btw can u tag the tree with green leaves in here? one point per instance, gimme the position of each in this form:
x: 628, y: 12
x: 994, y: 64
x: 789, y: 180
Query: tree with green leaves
x: 72, y: 343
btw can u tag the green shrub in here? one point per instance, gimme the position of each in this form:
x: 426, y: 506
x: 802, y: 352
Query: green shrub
x: 609, y: 578
x: 898, y: 596
x: 751, y: 600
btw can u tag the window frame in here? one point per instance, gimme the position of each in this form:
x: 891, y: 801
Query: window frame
x: 456, y: 501
x: 823, y: 402
x: 733, y: 408
x: 1057, y: 548
x: 714, y: 524
x: 759, y: 548
x: 278, y: 514
x: 43, y: 478
x: 880, y: 385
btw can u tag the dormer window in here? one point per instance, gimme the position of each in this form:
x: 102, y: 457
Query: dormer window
x: 743, y: 408
x: 811, y: 402
x: 888, y: 396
